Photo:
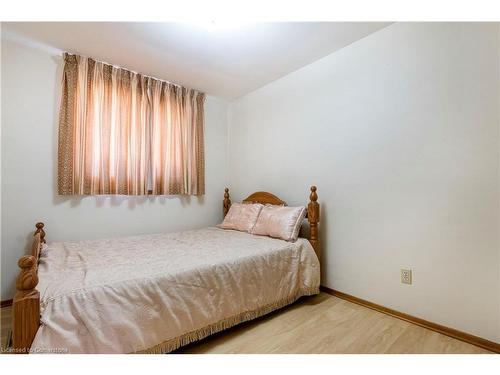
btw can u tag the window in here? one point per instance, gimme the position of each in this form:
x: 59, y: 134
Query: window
x: 121, y: 132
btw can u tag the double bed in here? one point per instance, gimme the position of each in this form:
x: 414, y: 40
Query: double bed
x: 154, y: 293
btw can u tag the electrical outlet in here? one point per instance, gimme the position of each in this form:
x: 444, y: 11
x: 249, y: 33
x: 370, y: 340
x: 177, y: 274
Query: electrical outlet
x: 405, y: 276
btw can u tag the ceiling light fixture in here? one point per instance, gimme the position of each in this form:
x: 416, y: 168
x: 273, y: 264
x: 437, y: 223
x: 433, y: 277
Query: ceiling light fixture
x: 219, y: 25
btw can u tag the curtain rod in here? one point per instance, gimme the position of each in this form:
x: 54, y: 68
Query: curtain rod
x: 132, y: 71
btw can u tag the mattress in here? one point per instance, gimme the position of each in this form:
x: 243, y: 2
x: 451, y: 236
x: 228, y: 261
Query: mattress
x: 154, y: 293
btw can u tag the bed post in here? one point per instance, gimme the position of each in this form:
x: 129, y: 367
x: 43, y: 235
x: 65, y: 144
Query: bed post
x: 26, y: 304
x: 313, y: 217
x: 226, y: 204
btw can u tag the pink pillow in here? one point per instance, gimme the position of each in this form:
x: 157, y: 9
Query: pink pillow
x: 241, y: 217
x: 280, y: 222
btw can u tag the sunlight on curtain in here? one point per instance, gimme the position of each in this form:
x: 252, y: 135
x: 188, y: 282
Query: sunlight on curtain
x: 121, y: 132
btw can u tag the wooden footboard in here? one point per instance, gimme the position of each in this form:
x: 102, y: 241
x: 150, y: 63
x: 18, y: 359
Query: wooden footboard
x: 26, y: 304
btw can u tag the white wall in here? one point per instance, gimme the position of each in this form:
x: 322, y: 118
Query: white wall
x: 30, y: 104
x: 400, y: 133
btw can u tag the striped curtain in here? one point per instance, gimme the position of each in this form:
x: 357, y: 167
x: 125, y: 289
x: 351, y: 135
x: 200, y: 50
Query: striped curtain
x: 121, y: 132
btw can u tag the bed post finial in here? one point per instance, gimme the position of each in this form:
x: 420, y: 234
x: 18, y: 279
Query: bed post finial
x: 39, y: 229
x: 226, y: 204
x: 313, y: 217
x: 27, y: 278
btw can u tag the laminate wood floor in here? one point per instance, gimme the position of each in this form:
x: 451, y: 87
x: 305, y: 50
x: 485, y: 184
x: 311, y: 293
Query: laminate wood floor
x: 327, y: 324
x: 5, y: 322
x: 319, y: 324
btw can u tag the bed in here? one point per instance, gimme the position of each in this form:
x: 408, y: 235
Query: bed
x: 155, y: 293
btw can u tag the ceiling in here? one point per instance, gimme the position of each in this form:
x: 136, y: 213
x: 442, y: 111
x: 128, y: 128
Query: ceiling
x: 223, y: 60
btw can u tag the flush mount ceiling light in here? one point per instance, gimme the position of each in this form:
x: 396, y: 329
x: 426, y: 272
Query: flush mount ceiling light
x: 213, y: 24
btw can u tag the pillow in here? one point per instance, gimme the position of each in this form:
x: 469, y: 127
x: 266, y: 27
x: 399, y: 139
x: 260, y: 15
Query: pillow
x: 280, y: 222
x: 241, y: 217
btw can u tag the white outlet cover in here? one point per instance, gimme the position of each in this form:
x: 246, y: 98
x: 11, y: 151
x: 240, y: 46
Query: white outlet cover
x: 406, y: 276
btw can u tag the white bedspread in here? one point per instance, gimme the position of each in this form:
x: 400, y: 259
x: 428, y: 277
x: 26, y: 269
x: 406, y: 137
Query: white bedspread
x: 156, y: 292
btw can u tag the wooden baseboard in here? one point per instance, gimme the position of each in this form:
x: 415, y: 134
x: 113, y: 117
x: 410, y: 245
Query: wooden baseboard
x: 6, y: 303
x: 459, y: 335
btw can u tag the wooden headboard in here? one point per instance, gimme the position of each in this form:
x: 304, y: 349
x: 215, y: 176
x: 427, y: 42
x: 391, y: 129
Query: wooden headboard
x: 264, y: 197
